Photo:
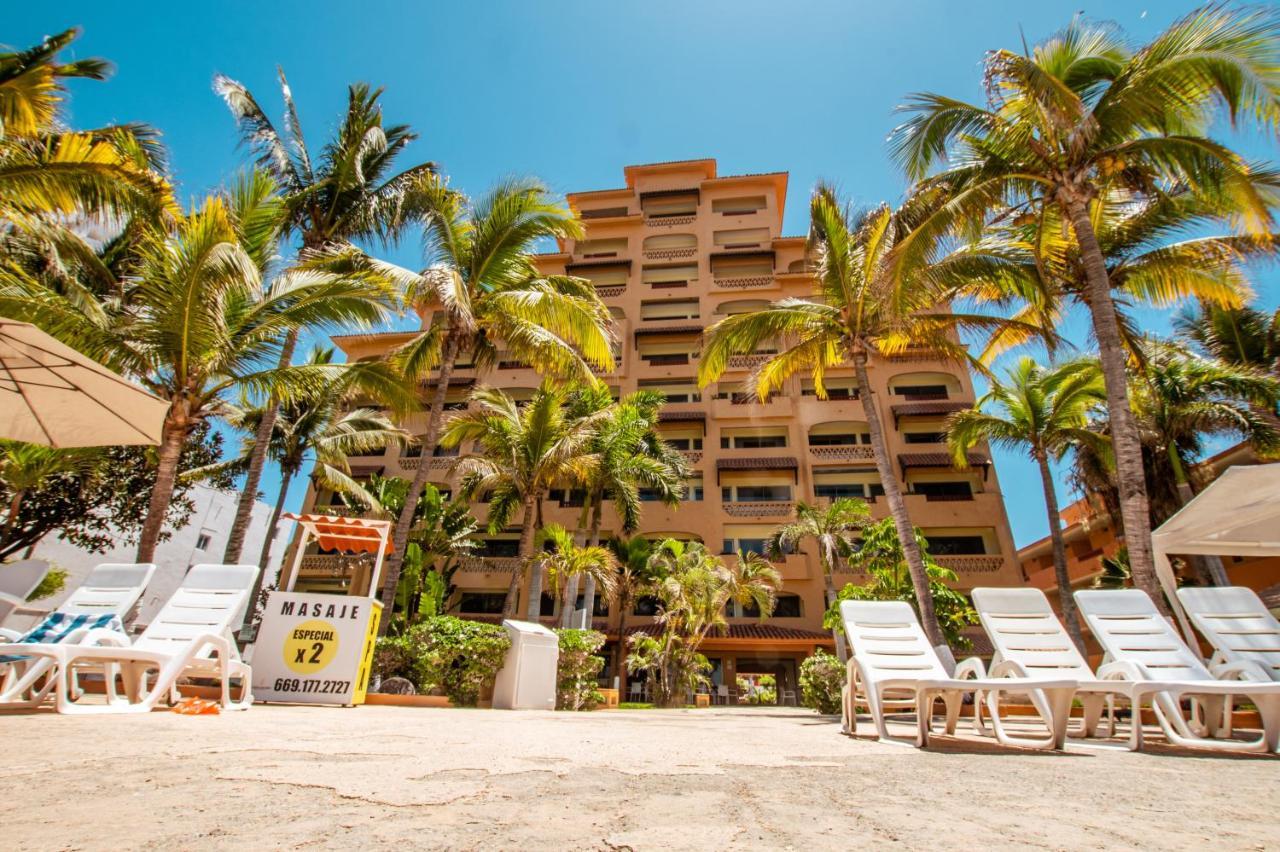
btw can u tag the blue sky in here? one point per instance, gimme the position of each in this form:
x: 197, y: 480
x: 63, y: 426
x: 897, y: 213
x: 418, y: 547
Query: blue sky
x: 573, y: 91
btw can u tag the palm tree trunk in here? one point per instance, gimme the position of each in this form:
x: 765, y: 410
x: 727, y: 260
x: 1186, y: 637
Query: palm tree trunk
x: 589, y: 589
x: 534, y: 609
x: 404, y: 524
x: 528, y: 523
x: 1127, y: 444
x: 837, y: 632
x: 1210, y: 567
x: 173, y: 436
x: 570, y: 595
x: 898, y: 509
x: 286, y: 474
x: 1063, y: 578
x: 257, y: 460
x: 15, y: 504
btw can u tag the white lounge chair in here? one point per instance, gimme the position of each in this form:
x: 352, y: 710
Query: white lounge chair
x: 893, y: 662
x: 1238, y: 625
x: 1142, y: 646
x: 17, y: 580
x: 109, y: 592
x: 191, y: 636
x: 1030, y: 641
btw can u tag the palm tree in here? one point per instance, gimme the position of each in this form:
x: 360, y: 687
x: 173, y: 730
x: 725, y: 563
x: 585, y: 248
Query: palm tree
x: 484, y: 286
x: 350, y: 192
x: 316, y: 427
x: 1077, y: 120
x: 1044, y: 411
x: 634, y: 575
x: 1180, y: 399
x: 836, y: 530
x: 26, y: 467
x: 564, y: 562
x: 1245, y: 336
x: 47, y: 171
x: 195, y: 325
x: 856, y: 313
x: 627, y: 453
x: 693, y: 591
x: 523, y: 451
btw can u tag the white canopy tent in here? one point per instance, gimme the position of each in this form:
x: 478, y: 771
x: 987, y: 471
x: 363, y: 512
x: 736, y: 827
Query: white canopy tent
x: 1237, y: 515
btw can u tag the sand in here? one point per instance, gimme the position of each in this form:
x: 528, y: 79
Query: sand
x: 279, y: 777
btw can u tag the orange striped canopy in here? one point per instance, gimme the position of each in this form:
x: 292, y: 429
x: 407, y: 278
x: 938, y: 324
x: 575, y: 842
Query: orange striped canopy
x: 350, y: 535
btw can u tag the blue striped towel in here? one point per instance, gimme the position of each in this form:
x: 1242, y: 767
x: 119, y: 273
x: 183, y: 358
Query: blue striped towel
x: 57, y: 626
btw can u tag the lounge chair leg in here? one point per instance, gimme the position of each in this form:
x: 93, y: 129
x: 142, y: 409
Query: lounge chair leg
x: 953, y: 701
x: 1059, y: 714
x: 1269, y: 710
x: 1093, y: 706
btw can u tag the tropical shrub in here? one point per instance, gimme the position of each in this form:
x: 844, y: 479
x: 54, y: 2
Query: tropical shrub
x: 579, y: 665
x: 53, y: 582
x: 821, y: 679
x: 446, y: 654
x: 881, y: 557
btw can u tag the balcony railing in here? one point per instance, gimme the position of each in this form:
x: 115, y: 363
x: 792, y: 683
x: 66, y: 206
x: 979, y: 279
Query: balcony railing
x: 669, y: 254
x: 692, y: 456
x: 948, y: 498
x: 759, y: 509
x: 342, y: 511
x: 325, y: 565
x: 852, y: 452
x: 474, y: 564
x: 675, y: 360
x: 610, y: 291
x: 748, y: 283
x: 972, y: 564
x: 748, y: 362
x: 437, y: 462
x: 925, y: 397
x: 666, y: 221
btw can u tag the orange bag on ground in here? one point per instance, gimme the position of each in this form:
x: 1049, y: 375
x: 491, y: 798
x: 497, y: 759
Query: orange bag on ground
x: 196, y: 707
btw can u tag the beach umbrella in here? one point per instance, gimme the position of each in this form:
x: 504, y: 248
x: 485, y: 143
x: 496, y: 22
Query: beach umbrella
x: 51, y: 394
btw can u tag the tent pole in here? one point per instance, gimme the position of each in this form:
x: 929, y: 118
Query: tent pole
x: 296, y: 565
x: 1164, y: 571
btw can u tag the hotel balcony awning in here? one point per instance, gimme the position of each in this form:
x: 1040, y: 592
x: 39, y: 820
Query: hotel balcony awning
x: 596, y: 264
x: 758, y: 463
x: 917, y: 460
x: 675, y: 416
x: 927, y: 409
x: 663, y: 331
x: 349, y: 535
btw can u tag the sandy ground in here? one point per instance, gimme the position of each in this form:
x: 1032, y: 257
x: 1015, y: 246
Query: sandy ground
x: 382, y: 777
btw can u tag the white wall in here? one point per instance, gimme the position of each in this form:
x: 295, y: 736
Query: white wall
x: 203, y: 539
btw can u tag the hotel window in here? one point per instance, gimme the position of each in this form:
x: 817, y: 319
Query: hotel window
x: 684, y: 443
x: 837, y: 387
x: 602, y: 248
x: 956, y: 545
x: 615, y: 276
x: 741, y: 306
x: 755, y: 493
x: 839, y: 434
x: 669, y: 310
x: 669, y: 277
x: 601, y: 608
x: 753, y: 439
x: 833, y: 483
x: 482, y: 603
x: 646, y: 605
x: 786, y: 606
x: 670, y: 243
x: 670, y: 351
x: 742, y: 238
x: 924, y: 437
x: 674, y: 390
x: 500, y: 548
x: 924, y: 385
x: 739, y: 206
x: 670, y: 206
x: 730, y: 267
x: 203, y: 541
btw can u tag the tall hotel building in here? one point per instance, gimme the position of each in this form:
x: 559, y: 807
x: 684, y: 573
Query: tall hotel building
x: 673, y: 251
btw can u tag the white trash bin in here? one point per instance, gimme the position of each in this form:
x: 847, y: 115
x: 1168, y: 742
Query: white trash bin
x: 527, y: 680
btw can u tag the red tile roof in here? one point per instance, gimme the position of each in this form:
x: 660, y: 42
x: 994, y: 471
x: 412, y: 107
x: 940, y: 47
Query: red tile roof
x: 670, y: 416
x: 938, y: 459
x: 749, y: 631
x: 670, y: 329
x: 918, y: 409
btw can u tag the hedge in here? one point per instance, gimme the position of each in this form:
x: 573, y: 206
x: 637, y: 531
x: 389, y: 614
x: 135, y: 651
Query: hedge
x: 576, y: 688
x: 445, y: 654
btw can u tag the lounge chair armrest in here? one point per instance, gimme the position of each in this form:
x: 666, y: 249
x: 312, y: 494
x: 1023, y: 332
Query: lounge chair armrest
x: 9, y: 635
x: 1240, y: 670
x: 970, y: 668
x: 12, y: 600
x: 1122, y: 670
x: 1009, y: 668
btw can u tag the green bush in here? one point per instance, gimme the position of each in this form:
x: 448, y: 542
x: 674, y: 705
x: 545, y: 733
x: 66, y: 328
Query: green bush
x: 452, y: 655
x: 821, y: 679
x: 578, y: 668
x: 53, y: 582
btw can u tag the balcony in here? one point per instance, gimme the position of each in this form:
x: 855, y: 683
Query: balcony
x: 949, y: 498
x: 751, y: 282
x: 692, y: 456
x: 739, y: 406
x: 760, y: 509
x: 610, y: 291
x: 678, y: 359
x: 749, y: 361
x: 340, y: 511
x: 668, y: 220
x: 670, y: 253
x: 972, y: 564
x: 325, y: 565
x: 437, y: 462
x: 850, y: 452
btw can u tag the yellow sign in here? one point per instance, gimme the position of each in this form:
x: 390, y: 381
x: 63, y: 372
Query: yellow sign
x: 310, y: 646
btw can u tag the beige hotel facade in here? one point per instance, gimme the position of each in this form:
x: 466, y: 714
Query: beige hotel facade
x: 675, y: 249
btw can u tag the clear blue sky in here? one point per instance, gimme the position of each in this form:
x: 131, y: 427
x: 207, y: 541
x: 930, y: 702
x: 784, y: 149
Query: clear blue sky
x: 573, y: 91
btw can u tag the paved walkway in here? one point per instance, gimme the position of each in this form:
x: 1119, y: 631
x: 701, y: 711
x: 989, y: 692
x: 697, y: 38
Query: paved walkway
x: 382, y: 777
